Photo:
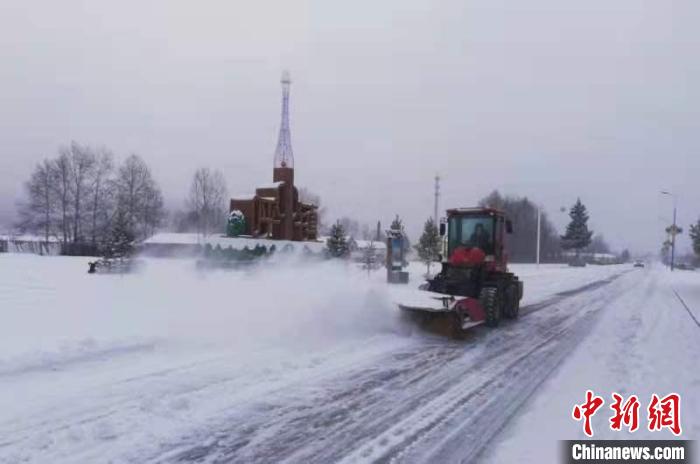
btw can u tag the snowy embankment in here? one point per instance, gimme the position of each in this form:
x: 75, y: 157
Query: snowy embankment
x: 99, y: 367
x: 645, y: 342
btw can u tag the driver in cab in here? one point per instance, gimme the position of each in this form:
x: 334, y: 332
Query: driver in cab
x: 474, y: 251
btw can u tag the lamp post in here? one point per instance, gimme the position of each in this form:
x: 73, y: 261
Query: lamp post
x: 539, y: 220
x: 674, y: 229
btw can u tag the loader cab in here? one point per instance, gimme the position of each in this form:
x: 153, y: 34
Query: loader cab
x: 483, y: 228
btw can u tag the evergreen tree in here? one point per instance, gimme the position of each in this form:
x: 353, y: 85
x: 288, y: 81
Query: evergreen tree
x: 369, y: 257
x: 337, y: 245
x: 695, y: 237
x: 120, y: 242
x: 428, y: 246
x: 397, y: 225
x: 625, y: 256
x: 577, y: 235
x: 246, y: 253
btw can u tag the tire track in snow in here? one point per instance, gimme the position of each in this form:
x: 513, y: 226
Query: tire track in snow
x: 326, y: 425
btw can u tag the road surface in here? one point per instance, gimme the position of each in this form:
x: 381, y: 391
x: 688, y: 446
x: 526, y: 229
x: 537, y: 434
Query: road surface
x: 391, y: 398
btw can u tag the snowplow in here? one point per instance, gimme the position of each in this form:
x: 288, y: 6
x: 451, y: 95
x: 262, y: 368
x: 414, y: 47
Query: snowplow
x: 474, y: 285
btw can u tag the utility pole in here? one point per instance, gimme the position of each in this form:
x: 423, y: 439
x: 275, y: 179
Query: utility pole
x: 673, y: 236
x: 539, y: 220
x: 674, y: 228
x: 436, y: 218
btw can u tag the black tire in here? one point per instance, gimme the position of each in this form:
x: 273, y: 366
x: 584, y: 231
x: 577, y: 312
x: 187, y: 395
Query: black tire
x: 491, y: 302
x: 512, y: 301
x: 457, y: 323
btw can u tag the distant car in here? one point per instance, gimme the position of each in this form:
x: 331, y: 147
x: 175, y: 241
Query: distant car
x: 638, y: 264
x: 685, y: 266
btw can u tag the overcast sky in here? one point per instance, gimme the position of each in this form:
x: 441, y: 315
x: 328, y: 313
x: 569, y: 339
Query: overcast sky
x: 545, y: 98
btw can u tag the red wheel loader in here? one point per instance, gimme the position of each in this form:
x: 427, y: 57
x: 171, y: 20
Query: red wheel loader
x: 474, y: 286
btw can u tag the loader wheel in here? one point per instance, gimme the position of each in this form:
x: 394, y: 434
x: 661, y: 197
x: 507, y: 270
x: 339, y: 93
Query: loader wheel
x: 457, y: 323
x: 512, y: 303
x: 490, y: 301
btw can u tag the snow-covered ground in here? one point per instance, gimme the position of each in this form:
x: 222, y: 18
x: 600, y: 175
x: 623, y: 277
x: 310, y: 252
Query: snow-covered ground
x: 310, y: 362
x: 645, y: 342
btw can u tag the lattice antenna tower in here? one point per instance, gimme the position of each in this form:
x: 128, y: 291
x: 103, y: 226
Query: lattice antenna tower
x: 284, y: 156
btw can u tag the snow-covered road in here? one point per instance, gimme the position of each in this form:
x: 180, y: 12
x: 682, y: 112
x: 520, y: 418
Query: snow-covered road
x: 311, y: 364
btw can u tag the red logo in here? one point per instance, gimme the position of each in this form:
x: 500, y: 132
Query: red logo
x: 627, y: 413
x: 586, y: 410
x: 665, y: 413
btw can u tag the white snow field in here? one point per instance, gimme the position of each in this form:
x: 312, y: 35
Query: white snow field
x: 311, y: 363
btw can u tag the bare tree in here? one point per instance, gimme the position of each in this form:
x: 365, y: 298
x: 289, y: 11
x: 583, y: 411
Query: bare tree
x: 36, y: 212
x: 207, y: 200
x: 100, y: 195
x: 138, y: 196
x: 75, y: 195
x: 82, y: 166
x: 153, y: 210
x: 61, y: 186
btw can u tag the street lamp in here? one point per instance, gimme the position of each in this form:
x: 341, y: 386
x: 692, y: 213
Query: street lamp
x: 674, y: 229
x: 539, y: 220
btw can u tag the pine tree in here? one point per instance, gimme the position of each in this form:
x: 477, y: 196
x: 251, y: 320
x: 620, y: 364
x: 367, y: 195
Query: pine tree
x: 337, y: 245
x: 428, y: 246
x: 577, y: 235
x: 397, y: 225
x: 695, y: 237
x: 369, y: 257
x: 121, y: 239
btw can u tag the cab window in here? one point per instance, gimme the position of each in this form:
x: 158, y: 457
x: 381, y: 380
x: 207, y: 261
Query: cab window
x: 471, y: 231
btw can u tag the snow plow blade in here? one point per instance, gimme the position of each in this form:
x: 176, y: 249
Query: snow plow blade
x: 443, y: 314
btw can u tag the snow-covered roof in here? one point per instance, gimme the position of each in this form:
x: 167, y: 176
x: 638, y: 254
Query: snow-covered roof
x: 243, y: 196
x: 271, y: 185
